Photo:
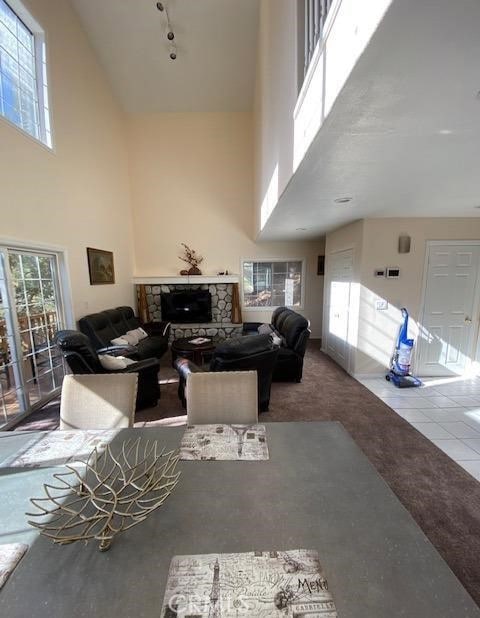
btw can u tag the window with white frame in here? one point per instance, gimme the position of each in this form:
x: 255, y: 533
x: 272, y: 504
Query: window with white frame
x: 23, y: 72
x: 273, y: 283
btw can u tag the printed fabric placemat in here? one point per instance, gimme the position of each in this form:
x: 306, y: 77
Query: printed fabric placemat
x: 224, y: 442
x: 10, y: 556
x: 56, y: 448
x: 260, y: 584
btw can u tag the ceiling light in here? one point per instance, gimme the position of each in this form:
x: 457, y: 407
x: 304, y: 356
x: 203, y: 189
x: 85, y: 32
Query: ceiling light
x: 343, y: 200
x: 301, y: 229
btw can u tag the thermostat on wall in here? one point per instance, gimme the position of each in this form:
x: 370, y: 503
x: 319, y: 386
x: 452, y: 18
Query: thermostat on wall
x: 393, y: 272
x: 379, y: 272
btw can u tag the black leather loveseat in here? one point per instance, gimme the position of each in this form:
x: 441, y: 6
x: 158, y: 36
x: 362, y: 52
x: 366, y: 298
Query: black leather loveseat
x: 82, y: 358
x: 292, y: 331
x: 242, y: 354
x: 110, y: 324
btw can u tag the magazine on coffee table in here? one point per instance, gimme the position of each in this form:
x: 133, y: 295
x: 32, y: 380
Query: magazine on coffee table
x: 199, y: 340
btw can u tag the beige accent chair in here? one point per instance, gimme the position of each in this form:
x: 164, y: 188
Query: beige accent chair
x: 98, y: 401
x: 222, y: 397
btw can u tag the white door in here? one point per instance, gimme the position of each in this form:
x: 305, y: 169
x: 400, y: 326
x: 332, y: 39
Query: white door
x: 450, y: 312
x: 340, y: 277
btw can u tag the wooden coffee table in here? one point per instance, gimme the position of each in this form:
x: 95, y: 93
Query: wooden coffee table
x: 196, y: 352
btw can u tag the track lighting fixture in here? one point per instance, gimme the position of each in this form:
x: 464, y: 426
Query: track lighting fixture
x: 169, y: 32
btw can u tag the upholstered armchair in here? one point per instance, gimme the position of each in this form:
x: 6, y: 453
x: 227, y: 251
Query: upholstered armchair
x: 242, y: 354
x: 82, y: 358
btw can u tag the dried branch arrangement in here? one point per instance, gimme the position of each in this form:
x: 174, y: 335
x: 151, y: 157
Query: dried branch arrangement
x: 191, y: 257
x: 114, y: 493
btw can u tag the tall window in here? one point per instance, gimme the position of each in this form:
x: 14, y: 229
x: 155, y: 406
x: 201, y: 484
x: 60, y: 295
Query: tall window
x: 23, y: 74
x: 31, y: 312
x: 273, y: 283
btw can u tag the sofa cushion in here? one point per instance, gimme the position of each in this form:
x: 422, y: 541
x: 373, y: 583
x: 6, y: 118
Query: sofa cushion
x: 131, y: 322
x: 243, y: 346
x: 98, y: 329
x: 293, y: 325
x: 152, y: 346
x: 116, y: 320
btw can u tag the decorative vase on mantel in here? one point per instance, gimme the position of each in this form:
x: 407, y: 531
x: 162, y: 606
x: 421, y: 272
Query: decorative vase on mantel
x: 192, y: 259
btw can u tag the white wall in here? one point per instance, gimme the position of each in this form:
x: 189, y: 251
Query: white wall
x: 347, y: 237
x: 192, y: 176
x: 79, y: 194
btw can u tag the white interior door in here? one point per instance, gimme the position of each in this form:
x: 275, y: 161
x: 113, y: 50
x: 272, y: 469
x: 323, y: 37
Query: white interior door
x: 340, y: 277
x: 450, y: 313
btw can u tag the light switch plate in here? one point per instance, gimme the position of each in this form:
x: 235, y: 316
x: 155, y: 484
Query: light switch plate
x: 381, y: 304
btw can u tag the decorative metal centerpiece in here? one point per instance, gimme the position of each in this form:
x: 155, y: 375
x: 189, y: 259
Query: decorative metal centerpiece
x: 114, y: 493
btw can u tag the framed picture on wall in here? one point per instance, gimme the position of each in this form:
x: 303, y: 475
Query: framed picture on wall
x: 100, y: 266
x: 321, y: 265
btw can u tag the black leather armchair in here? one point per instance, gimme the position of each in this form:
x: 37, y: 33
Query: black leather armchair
x: 82, y: 358
x: 243, y: 354
x: 110, y: 324
x: 294, y: 331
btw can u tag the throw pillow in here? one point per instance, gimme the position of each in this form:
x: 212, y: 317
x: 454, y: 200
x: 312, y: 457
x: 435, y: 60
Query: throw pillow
x: 132, y: 337
x: 119, y: 341
x: 113, y: 363
x: 264, y: 329
x: 276, y: 339
x: 141, y: 333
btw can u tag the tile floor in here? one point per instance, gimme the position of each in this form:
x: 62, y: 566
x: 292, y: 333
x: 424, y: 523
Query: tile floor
x: 445, y: 410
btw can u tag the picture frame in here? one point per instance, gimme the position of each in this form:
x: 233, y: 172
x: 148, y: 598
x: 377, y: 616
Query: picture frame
x: 100, y: 266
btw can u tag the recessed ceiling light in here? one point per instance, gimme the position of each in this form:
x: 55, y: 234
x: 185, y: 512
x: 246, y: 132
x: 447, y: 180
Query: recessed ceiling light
x: 343, y: 200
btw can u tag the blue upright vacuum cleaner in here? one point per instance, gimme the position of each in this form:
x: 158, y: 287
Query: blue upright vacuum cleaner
x: 399, y: 373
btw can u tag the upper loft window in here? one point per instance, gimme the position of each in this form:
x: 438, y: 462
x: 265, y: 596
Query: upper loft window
x: 23, y: 72
x: 312, y: 15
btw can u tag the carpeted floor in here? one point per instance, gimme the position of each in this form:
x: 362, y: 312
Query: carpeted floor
x: 442, y: 498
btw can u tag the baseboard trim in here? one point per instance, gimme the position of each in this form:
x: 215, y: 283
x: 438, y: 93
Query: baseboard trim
x: 366, y: 376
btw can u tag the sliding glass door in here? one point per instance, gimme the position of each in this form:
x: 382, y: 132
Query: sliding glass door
x: 31, y: 312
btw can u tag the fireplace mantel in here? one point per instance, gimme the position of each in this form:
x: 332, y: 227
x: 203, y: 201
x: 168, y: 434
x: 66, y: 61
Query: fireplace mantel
x: 186, y: 279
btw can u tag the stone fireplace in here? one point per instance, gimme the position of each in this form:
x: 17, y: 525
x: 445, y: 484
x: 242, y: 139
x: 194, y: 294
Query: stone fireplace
x: 220, y: 327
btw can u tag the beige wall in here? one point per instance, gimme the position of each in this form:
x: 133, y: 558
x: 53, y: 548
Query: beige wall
x: 77, y: 195
x: 378, y: 329
x: 192, y: 177
x: 275, y: 97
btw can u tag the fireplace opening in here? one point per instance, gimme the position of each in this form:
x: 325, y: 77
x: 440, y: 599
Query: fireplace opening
x: 187, y: 307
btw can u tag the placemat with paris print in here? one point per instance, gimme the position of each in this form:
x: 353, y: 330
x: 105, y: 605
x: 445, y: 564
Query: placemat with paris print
x: 261, y: 584
x: 224, y: 442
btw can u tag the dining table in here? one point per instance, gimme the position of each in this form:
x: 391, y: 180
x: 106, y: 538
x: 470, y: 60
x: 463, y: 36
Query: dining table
x: 316, y: 491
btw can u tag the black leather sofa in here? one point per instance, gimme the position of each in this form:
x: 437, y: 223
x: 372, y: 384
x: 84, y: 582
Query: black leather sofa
x: 242, y: 354
x: 82, y: 358
x: 110, y: 324
x: 294, y: 331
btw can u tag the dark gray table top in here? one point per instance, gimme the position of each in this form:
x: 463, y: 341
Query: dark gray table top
x: 317, y: 491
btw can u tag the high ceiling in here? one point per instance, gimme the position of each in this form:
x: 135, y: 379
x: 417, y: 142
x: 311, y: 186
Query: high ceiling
x: 403, y: 139
x: 215, y: 65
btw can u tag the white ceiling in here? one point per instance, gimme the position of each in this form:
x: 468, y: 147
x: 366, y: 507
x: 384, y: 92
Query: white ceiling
x: 215, y: 66
x: 403, y: 138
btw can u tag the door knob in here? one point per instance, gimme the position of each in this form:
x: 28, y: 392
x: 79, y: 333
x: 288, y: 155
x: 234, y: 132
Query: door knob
x: 468, y: 320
